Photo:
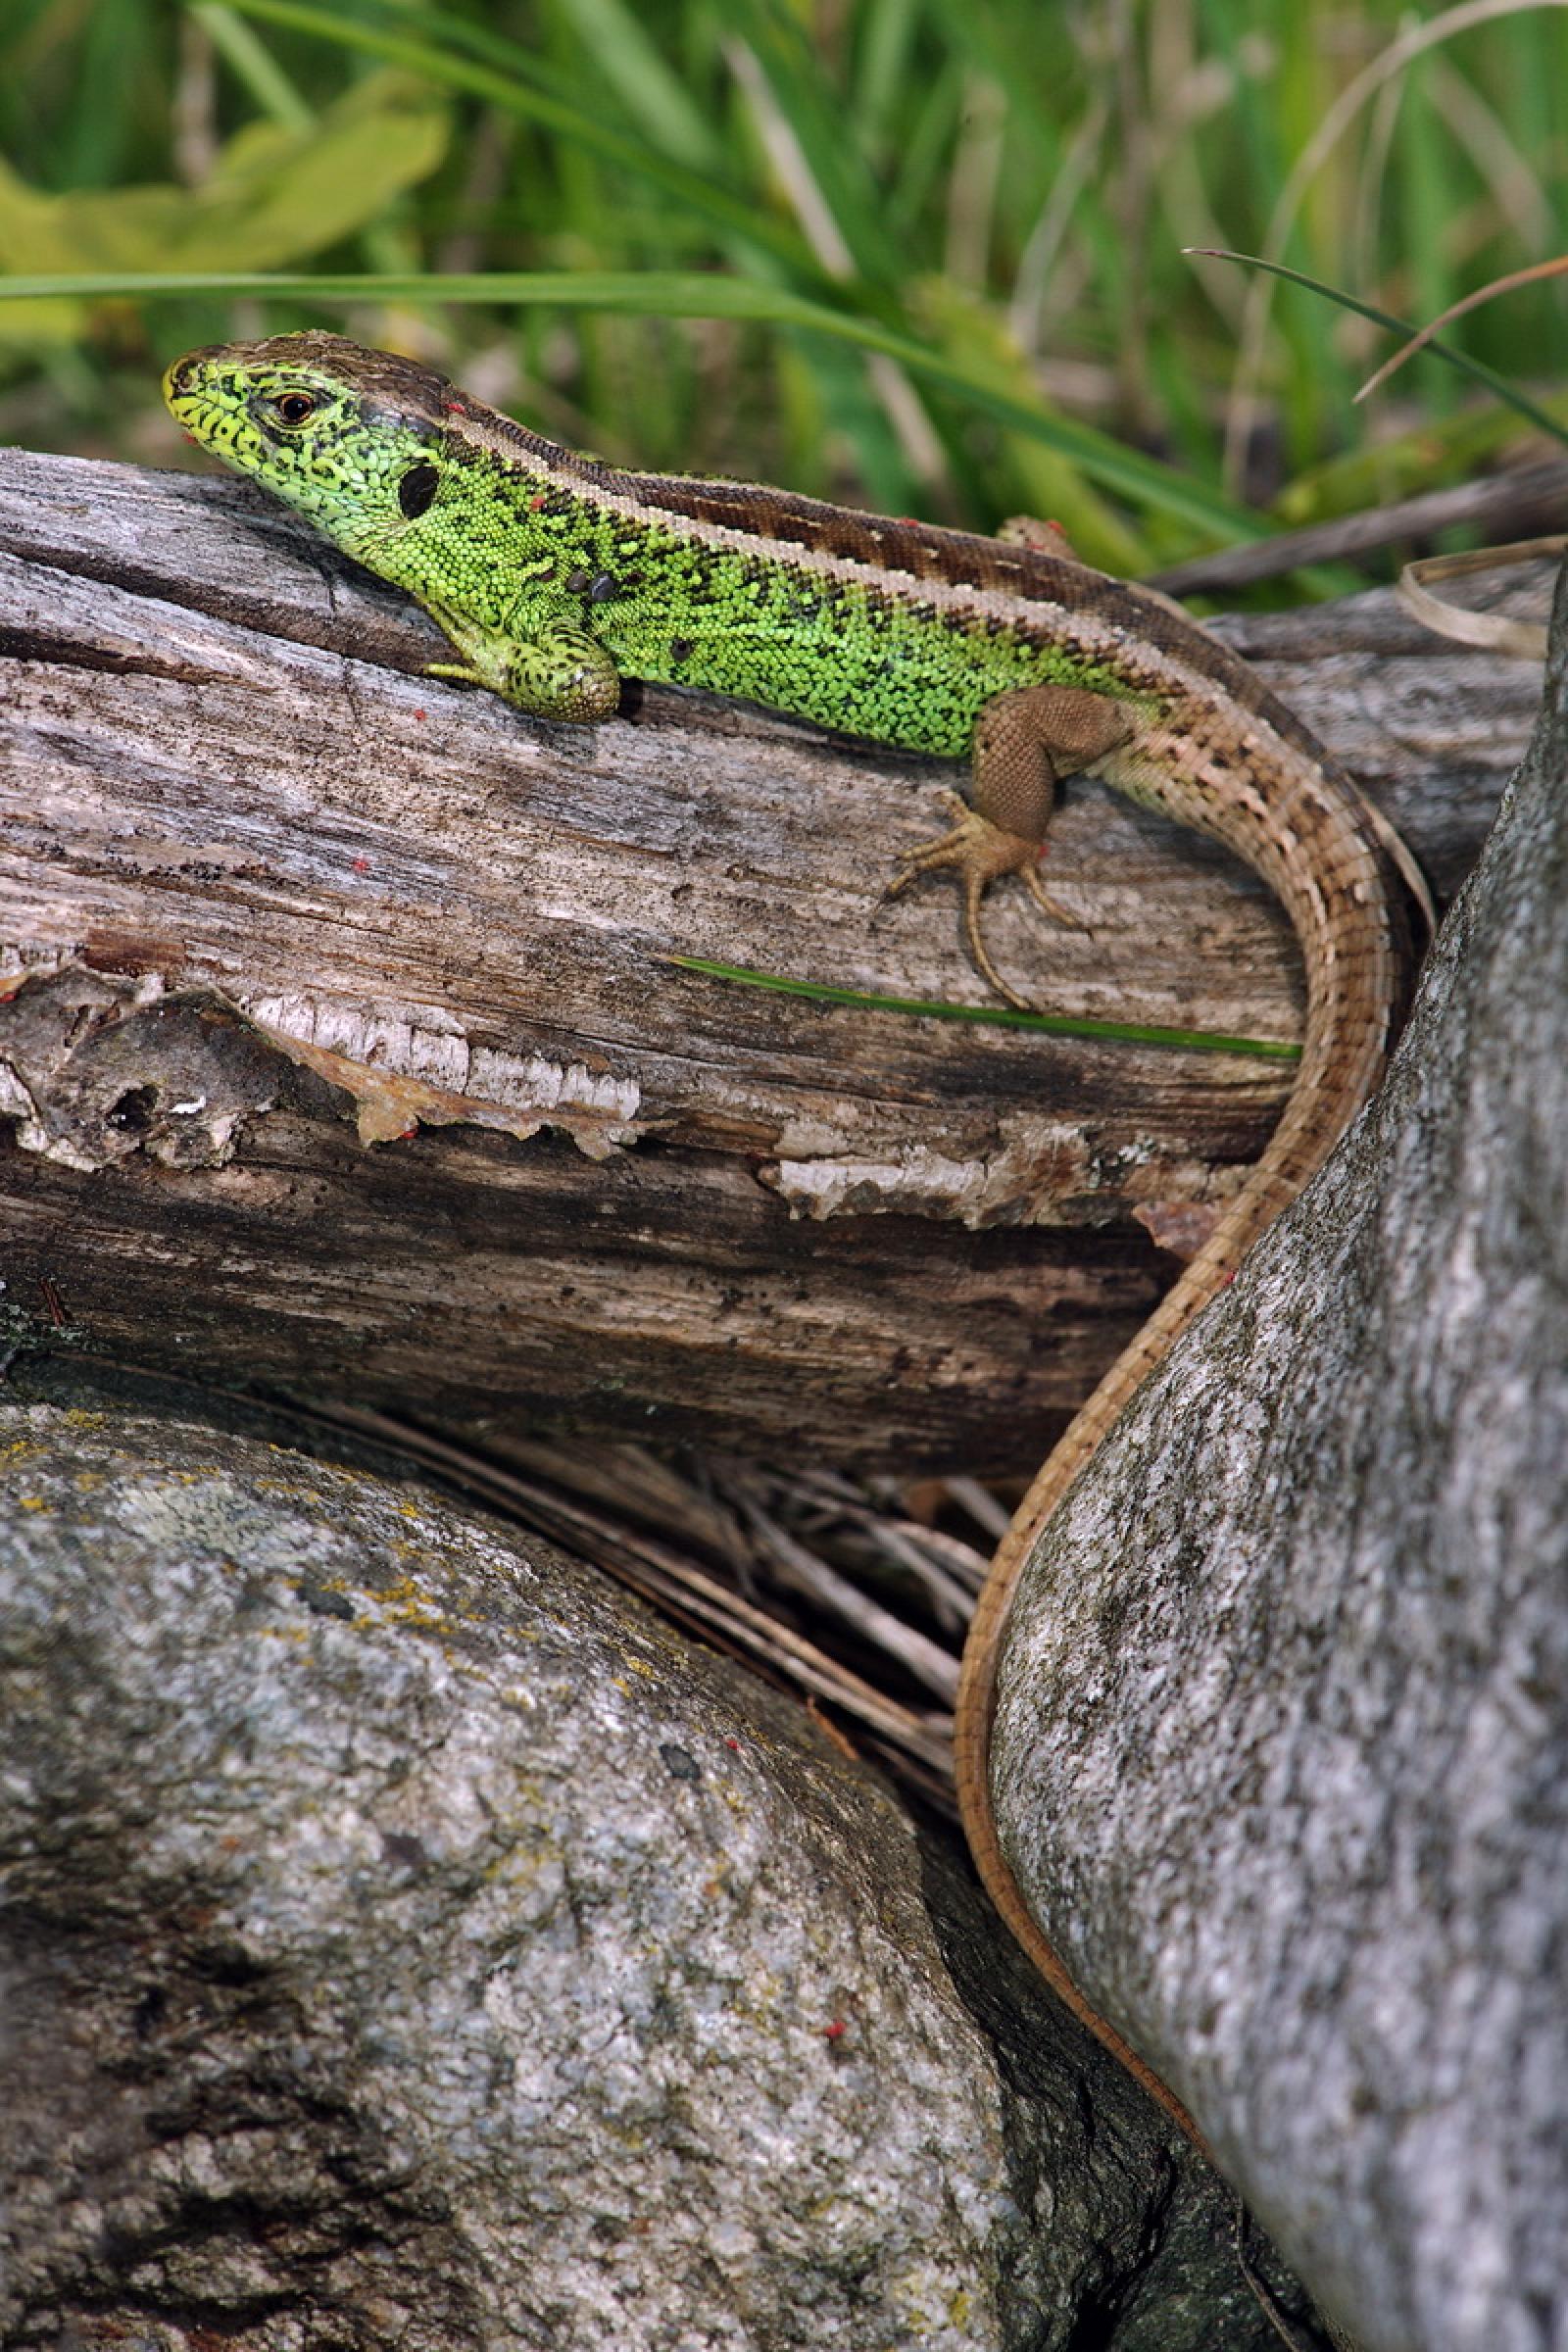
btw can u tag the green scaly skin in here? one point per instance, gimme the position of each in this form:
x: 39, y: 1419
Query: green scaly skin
x: 548, y: 596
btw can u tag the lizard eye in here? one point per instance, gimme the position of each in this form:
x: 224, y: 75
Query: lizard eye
x: 294, y: 406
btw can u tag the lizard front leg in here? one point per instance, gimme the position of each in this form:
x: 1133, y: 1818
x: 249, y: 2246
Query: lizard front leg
x: 557, y: 671
x: 1024, y: 742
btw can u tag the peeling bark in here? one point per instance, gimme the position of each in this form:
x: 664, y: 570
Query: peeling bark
x: 233, y: 823
x: 1282, y: 1719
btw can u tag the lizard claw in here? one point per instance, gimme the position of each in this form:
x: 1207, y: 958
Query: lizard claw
x: 980, y: 853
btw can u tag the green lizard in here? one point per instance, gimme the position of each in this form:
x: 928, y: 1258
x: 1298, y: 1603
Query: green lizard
x: 554, y: 574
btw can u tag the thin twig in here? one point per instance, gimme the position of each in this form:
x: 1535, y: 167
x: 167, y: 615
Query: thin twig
x: 1520, y: 498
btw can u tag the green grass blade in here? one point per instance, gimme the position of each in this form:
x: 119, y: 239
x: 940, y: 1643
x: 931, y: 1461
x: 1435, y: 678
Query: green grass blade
x: 616, y: 37
x: 253, y: 64
x: 995, y: 1016
x: 980, y: 45
x: 826, y: 140
x: 691, y: 294
x: 1497, y: 385
x: 482, y: 42
x: 694, y: 189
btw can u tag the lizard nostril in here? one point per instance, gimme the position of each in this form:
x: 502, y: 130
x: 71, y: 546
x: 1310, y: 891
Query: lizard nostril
x: 184, y: 373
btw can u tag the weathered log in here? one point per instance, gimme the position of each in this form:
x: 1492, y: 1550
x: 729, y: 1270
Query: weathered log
x: 1282, y: 1728
x: 257, y: 880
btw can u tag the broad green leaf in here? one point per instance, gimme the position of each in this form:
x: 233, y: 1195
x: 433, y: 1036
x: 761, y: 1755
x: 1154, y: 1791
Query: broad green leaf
x: 534, y: 103
x: 276, y: 196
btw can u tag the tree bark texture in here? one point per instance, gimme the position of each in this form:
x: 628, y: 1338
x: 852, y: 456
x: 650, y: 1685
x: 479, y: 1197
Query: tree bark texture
x: 1282, y: 1722
x: 343, y: 1051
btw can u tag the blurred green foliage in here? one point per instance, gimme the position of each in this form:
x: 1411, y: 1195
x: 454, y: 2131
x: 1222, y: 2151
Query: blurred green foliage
x: 273, y: 194
x: 993, y: 194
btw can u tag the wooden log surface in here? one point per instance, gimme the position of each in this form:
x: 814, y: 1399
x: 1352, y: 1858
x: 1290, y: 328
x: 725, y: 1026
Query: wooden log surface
x: 341, y: 1051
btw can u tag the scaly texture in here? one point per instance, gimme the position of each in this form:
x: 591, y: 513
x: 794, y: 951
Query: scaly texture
x: 554, y: 574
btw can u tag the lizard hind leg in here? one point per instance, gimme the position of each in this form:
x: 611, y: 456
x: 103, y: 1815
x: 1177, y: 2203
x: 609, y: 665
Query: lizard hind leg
x: 1024, y: 740
x: 979, y: 852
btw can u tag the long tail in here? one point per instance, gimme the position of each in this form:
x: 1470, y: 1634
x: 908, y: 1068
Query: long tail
x: 1333, y: 874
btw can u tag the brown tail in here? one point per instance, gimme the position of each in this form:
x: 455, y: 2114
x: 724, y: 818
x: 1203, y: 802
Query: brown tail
x: 1337, y: 887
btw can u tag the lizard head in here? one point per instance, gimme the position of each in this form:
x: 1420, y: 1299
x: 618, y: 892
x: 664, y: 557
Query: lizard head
x: 353, y: 439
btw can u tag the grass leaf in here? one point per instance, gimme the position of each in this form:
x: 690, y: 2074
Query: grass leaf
x: 996, y: 1016
x: 1500, y: 387
x: 692, y: 294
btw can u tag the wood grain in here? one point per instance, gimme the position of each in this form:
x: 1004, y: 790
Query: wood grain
x: 251, y: 863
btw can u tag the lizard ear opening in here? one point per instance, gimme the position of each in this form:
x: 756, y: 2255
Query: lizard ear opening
x: 417, y: 489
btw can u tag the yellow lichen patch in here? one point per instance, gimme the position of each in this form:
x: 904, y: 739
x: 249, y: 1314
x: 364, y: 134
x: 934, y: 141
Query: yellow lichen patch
x: 20, y: 1449
x: 78, y: 1416
x: 406, y: 1604
x: 32, y: 1502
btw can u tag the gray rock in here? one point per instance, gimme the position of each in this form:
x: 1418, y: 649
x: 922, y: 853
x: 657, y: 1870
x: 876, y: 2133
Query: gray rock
x: 410, y: 1941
